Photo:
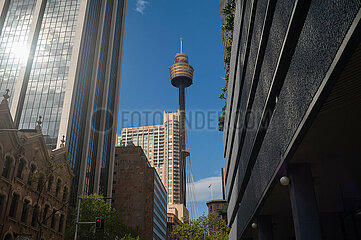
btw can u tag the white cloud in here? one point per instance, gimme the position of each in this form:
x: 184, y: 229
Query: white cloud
x: 202, y: 190
x: 141, y: 5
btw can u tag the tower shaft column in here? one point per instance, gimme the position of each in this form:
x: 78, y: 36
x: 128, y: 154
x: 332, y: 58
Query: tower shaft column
x: 182, y: 117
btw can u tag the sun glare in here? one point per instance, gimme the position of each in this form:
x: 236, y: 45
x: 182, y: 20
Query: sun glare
x: 20, y: 51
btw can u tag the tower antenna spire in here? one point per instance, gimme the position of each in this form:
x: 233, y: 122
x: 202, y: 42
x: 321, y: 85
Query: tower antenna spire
x: 181, y: 45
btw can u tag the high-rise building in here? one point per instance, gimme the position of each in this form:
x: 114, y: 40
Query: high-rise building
x: 165, y: 145
x: 160, y: 144
x: 61, y: 59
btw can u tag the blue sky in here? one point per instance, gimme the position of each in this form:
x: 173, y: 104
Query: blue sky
x: 153, y: 29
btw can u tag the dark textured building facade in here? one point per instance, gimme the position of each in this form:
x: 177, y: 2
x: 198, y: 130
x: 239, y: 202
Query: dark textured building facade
x: 34, y: 183
x: 292, y: 126
x: 139, y: 195
x: 61, y: 59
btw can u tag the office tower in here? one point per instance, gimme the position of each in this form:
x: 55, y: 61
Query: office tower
x: 292, y: 126
x: 139, y: 196
x: 61, y: 59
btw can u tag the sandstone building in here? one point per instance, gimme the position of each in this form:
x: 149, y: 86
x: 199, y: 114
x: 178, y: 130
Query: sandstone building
x: 34, y: 183
x: 138, y: 193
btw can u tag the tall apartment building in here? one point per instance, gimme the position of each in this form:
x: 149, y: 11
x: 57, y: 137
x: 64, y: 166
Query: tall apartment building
x: 61, y: 59
x: 160, y: 144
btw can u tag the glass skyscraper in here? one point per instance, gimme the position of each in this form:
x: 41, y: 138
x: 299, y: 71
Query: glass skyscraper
x: 61, y: 60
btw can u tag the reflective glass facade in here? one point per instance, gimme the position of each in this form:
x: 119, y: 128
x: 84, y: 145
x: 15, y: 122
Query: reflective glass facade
x: 101, y: 50
x: 63, y: 57
x: 75, y: 142
x: 13, y: 38
x: 47, y: 81
x: 98, y: 95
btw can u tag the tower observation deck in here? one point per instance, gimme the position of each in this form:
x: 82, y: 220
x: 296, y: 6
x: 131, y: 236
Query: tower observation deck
x: 181, y: 74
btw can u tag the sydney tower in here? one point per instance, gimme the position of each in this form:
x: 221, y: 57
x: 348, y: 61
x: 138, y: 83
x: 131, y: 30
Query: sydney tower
x: 181, y: 74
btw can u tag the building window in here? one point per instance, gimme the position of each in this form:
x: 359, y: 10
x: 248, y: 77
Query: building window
x: 61, y: 222
x: 53, y: 219
x: 50, y: 182
x: 58, y: 185
x: 40, y: 183
x: 6, y: 169
x: 8, y: 237
x: 46, y: 210
x: 31, y: 174
x: 24, y: 213
x: 65, y: 193
x: 14, y: 205
x: 34, y: 218
x: 19, y: 174
x: 2, y: 200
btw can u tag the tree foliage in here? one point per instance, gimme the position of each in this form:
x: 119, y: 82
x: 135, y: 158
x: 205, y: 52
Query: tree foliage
x: 211, y: 227
x: 227, y: 27
x: 129, y: 237
x: 92, y: 208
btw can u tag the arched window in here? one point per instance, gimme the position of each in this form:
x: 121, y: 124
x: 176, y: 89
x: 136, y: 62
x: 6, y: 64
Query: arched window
x: 6, y: 169
x: 2, y: 201
x: 24, y: 213
x: 34, y: 218
x: 40, y: 183
x: 65, y: 193
x: 61, y: 223
x: 19, y: 174
x: 14, y: 205
x: 50, y: 182
x: 53, y: 219
x: 45, y: 213
x: 31, y: 174
x: 58, y: 185
x: 8, y: 237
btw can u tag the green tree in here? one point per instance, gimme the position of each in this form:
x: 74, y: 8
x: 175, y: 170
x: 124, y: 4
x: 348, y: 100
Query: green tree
x: 129, y: 237
x: 92, y: 208
x: 227, y: 28
x: 211, y: 227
